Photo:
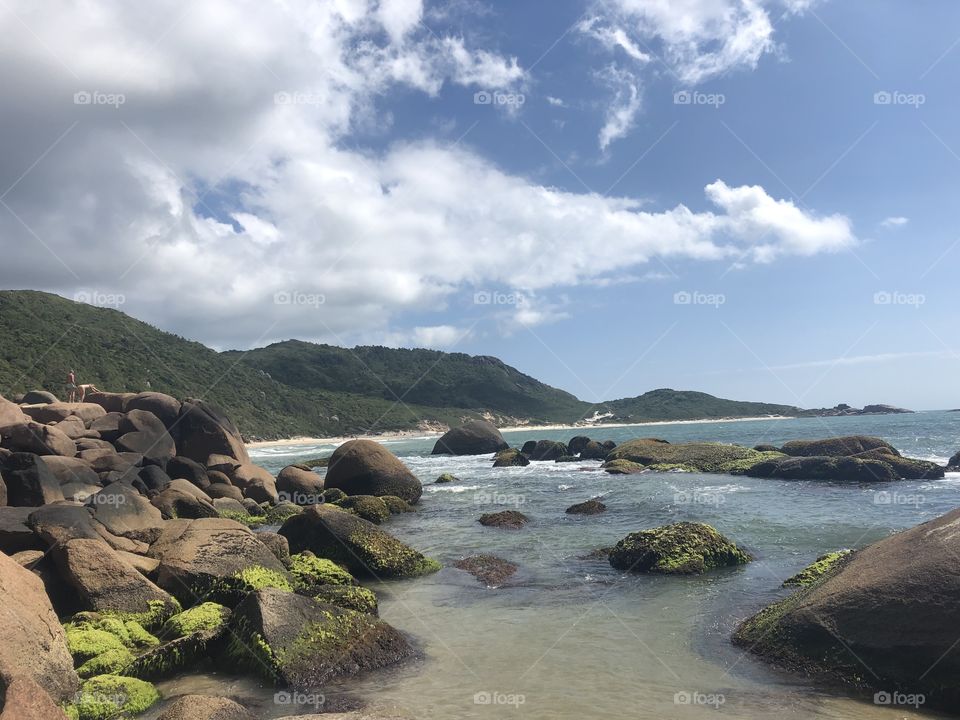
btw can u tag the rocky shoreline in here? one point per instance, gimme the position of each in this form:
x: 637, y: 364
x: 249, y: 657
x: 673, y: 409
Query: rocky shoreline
x: 133, y: 547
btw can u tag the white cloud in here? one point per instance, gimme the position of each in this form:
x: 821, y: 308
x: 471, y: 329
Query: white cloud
x: 555, y: 101
x: 203, y: 201
x: 894, y: 222
x: 623, y: 107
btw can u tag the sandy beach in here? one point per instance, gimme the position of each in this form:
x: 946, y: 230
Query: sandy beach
x: 410, y: 434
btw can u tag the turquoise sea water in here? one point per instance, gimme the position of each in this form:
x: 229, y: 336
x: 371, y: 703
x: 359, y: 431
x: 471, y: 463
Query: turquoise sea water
x: 568, y: 637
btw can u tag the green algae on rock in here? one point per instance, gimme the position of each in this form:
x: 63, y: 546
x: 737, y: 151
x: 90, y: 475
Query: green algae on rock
x: 447, y: 478
x: 106, y: 697
x: 356, y: 544
x: 368, y: 507
x: 308, y: 570
x: 352, y: 597
x: 696, y: 457
x: 684, y: 548
x: 510, y: 458
x: 816, y: 570
x: 397, y: 505
x: 622, y: 467
x: 208, y: 616
x: 301, y: 642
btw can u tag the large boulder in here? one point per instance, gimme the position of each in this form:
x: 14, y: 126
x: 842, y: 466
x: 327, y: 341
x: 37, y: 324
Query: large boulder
x: 38, y: 397
x: 39, y: 439
x: 299, y: 485
x: 837, y: 446
x: 256, y: 483
x: 205, y: 707
x: 26, y: 700
x: 104, y: 581
x: 203, y: 430
x: 906, y: 468
x: 108, y: 426
x: 58, y: 523
x: 15, y: 535
x: 32, y: 642
x: 125, y: 512
x: 836, y: 469
x: 165, y: 407
x: 893, y: 607
x: 594, y: 451
x: 510, y: 519
x: 29, y: 481
x: 55, y: 412
x: 145, y: 434
x: 577, y: 443
x: 954, y: 464
x: 183, y: 468
x: 510, y: 457
x: 545, y: 450
x: 364, y: 467
x: 302, y: 643
x: 111, y: 402
x: 355, y: 543
x: 70, y: 470
x: 198, y: 555
x: 476, y: 437
x: 10, y: 415
x: 175, y: 502
x: 684, y: 548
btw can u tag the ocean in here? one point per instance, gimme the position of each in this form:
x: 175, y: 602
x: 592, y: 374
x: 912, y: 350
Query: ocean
x: 569, y: 637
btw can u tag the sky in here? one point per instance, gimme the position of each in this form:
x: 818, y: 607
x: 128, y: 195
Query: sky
x: 752, y: 198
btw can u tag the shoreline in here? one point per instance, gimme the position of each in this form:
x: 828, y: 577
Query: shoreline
x: 423, y: 434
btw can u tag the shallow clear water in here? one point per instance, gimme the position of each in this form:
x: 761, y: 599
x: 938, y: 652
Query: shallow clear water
x: 569, y: 637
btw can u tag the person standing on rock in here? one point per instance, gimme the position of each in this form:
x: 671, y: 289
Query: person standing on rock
x: 84, y: 389
x: 71, y: 387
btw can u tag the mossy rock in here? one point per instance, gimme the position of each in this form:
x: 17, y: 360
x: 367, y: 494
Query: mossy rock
x: 111, y: 662
x: 86, y: 643
x: 258, y: 577
x: 244, y: 518
x: 594, y: 506
x: 356, y: 544
x: 622, y: 467
x: 683, y: 548
x: 331, y: 495
x: 109, y: 697
x: 815, y: 571
x: 906, y: 468
x: 309, y: 570
x: 206, y: 617
x: 396, y: 505
x: 827, y: 468
x: 447, y: 478
x: 369, y: 507
x: 510, y: 458
x: 511, y: 519
x: 129, y: 632
x: 356, y: 598
x: 740, y: 467
x: 488, y: 569
x: 837, y: 446
x: 281, y: 513
x: 697, y: 457
x: 303, y: 643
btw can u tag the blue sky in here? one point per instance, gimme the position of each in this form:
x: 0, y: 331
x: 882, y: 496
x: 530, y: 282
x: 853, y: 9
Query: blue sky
x: 327, y: 172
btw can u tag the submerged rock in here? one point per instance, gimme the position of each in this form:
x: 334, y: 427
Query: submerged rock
x: 447, y: 478
x: 303, y: 643
x: 204, y: 707
x: 476, y: 437
x: 622, y: 467
x: 488, y: 569
x: 355, y: 543
x: 512, y: 519
x: 684, y: 548
x: 590, y: 507
x: 364, y: 467
x: 893, y: 607
x: 510, y: 458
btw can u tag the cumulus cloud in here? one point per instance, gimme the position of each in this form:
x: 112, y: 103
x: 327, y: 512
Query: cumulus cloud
x: 221, y: 199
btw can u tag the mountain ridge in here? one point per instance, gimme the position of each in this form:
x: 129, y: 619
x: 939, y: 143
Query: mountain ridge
x: 297, y: 388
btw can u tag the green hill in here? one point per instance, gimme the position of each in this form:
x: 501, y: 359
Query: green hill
x: 297, y: 388
x: 668, y: 404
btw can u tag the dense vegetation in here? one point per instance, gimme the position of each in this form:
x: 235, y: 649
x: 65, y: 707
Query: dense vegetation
x: 297, y: 388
